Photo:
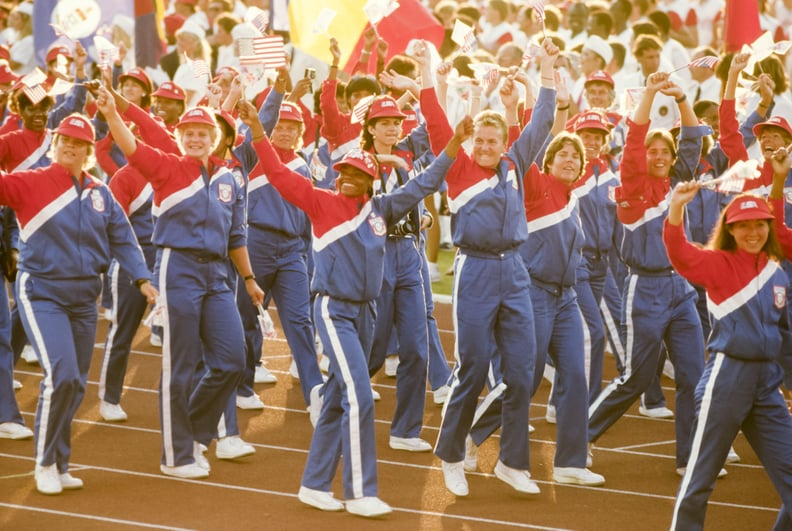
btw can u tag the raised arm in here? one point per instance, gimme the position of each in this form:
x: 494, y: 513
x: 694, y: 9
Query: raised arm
x: 782, y: 162
x: 124, y: 138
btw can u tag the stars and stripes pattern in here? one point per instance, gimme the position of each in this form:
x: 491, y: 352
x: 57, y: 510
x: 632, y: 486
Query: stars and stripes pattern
x: 538, y: 7
x: 267, y: 51
x: 360, y: 110
x: 708, y: 61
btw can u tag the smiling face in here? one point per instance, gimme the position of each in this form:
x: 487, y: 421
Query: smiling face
x: 488, y: 145
x: 169, y: 110
x: 659, y: 158
x: 132, y: 90
x: 34, y: 117
x: 593, y: 140
x: 197, y: 140
x: 771, y: 138
x: 599, y: 95
x: 353, y: 182
x: 71, y: 152
x: 750, y: 235
x: 566, y: 163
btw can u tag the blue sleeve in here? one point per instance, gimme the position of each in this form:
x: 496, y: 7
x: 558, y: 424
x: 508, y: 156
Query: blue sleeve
x: 10, y: 230
x: 100, y: 127
x: 688, y: 153
x: 237, y: 236
x: 398, y: 203
x: 746, y: 128
x: 123, y: 243
x: 268, y: 114
x: 73, y: 102
x: 246, y: 155
x: 526, y: 148
x: 417, y: 142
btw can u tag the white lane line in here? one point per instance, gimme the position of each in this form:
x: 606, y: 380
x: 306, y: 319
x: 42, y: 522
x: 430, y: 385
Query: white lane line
x: 135, y: 523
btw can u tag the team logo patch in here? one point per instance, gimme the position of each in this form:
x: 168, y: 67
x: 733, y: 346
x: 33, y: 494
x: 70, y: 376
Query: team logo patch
x: 240, y: 180
x: 97, y: 201
x: 779, y: 296
x: 788, y: 195
x: 612, y: 194
x: 225, y: 192
x: 377, y: 224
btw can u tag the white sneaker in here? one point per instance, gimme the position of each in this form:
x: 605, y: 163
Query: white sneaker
x: 69, y: 482
x: 590, y: 456
x: 107, y: 314
x: 17, y: 385
x: 455, y: 480
x: 550, y: 415
x: 324, y: 363
x: 293, y: 370
x: 112, y: 412
x: 668, y: 369
x: 471, y: 455
x: 324, y: 501
x: 200, y: 458
x: 369, y: 507
x: 249, y: 402
x: 733, y: 456
x: 681, y: 472
x: 191, y: 471
x: 411, y: 444
x: 232, y: 447
x: 315, y: 407
x: 391, y: 365
x: 520, y: 480
x: 434, y: 272
x: 375, y: 394
x: 440, y: 395
x: 48, y: 479
x: 263, y: 375
x: 577, y: 476
x: 14, y: 431
x: 656, y: 412
x: 531, y: 429
x: 155, y: 340
x: 29, y: 355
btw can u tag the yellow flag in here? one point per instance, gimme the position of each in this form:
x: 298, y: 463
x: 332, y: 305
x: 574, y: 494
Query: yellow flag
x: 311, y: 32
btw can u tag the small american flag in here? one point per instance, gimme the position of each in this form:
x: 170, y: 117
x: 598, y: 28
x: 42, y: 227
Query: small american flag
x: 538, y: 7
x: 360, y: 110
x: 259, y: 18
x: 267, y: 51
x: 199, y: 68
x: 35, y: 94
x: 733, y: 180
x: 470, y: 43
x: 708, y: 61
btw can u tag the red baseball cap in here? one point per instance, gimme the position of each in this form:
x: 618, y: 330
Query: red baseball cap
x: 600, y: 76
x: 747, y: 206
x: 385, y: 107
x: 357, y: 158
x: 5, y: 52
x: 775, y: 121
x: 591, y: 120
x: 290, y: 111
x: 7, y: 76
x: 171, y: 91
x: 198, y: 115
x: 138, y: 74
x: 77, y: 126
x: 173, y: 23
x: 226, y: 117
x: 58, y: 49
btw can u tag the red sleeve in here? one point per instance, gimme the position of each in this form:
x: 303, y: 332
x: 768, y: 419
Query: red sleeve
x: 437, y: 125
x: 119, y: 186
x: 331, y: 116
x: 783, y: 232
x: 692, y: 18
x: 632, y: 195
x: 514, y: 134
x: 693, y: 263
x: 103, y: 157
x: 150, y: 131
x: 154, y: 165
x: 730, y: 138
x: 527, y: 113
x: 294, y: 188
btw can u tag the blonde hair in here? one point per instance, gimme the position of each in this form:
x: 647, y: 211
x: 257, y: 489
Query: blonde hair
x: 214, y: 134
x: 492, y: 119
x: 90, y: 158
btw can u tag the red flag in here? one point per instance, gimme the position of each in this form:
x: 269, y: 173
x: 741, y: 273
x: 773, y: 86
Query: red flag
x: 411, y: 20
x: 741, y: 24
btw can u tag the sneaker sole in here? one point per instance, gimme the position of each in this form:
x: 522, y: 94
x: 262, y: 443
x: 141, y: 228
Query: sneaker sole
x: 311, y: 502
x: 564, y: 480
x: 406, y: 448
x: 533, y: 489
x: 233, y: 456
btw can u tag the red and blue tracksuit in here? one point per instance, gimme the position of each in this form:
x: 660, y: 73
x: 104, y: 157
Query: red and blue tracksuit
x: 659, y: 305
x: 71, y: 227
x: 488, y: 226
x: 349, y: 235
x: 337, y: 127
x: 134, y: 193
x: 200, y: 216
x: 278, y: 233
x: 739, y: 390
x: 9, y: 239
